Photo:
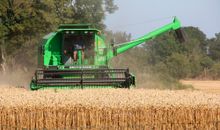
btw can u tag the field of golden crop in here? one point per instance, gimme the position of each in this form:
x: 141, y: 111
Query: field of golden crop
x: 107, y: 109
x: 210, y: 86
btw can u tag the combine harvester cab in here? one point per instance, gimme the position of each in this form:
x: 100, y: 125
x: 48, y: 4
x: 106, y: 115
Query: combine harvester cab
x: 76, y: 56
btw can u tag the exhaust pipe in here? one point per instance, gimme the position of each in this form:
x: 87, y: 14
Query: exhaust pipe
x: 180, y: 35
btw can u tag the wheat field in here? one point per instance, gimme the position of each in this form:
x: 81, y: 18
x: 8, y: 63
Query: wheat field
x: 210, y: 86
x: 98, y: 109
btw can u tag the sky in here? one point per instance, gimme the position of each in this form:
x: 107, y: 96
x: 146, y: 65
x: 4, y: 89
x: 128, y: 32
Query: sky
x: 141, y: 16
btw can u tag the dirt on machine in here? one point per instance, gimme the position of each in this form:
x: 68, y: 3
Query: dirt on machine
x: 77, y: 56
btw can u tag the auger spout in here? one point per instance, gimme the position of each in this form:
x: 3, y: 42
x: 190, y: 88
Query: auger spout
x: 175, y: 25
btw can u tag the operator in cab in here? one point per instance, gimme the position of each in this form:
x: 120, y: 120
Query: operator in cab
x: 78, y: 45
x: 67, y: 59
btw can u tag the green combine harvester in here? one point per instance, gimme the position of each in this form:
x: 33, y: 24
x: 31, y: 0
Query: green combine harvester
x: 76, y: 56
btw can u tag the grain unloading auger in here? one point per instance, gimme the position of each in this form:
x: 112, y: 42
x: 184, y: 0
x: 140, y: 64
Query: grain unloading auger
x: 76, y: 56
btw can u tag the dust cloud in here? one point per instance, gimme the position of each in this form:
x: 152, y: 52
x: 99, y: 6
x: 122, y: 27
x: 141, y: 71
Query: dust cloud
x: 16, y: 78
x: 145, y: 76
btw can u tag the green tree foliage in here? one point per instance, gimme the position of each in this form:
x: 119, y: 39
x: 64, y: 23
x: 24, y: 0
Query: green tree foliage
x: 117, y: 37
x: 181, y: 60
x: 93, y: 11
x: 214, y: 47
x: 207, y: 62
x: 215, y: 71
x: 23, y: 22
x: 161, y: 48
x: 178, y: 65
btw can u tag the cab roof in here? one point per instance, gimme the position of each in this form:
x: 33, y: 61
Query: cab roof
x: 85, y: 27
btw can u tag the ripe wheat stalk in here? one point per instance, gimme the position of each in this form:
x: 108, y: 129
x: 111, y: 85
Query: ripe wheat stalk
x: 108, y: 109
